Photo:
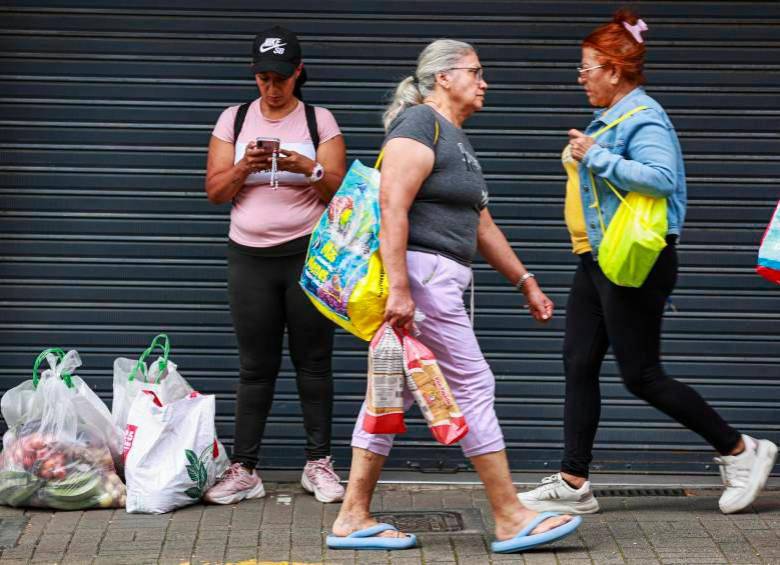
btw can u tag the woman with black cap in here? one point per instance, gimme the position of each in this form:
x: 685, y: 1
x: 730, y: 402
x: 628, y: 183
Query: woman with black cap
x: 279, y: 187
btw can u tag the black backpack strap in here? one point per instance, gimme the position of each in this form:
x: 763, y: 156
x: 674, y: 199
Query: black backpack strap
x: 311, y: 122
x: 238, y: 123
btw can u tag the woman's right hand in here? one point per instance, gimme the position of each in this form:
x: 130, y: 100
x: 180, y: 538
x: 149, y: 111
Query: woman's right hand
x: 256, y: 158
x: 399, y: 310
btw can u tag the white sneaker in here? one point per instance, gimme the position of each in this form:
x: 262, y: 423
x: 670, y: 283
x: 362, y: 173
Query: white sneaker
x: 555, y: 495
x: 744, y: 475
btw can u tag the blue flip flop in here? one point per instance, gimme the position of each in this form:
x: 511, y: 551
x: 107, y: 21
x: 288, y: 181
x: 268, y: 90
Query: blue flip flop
x: 523, y: 540
x: 369, y: 539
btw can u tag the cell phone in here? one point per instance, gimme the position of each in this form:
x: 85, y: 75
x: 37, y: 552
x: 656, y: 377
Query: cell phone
x: 270, y: 144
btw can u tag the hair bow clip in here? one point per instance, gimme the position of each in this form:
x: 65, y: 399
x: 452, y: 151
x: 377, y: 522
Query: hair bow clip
x: 636, y: 30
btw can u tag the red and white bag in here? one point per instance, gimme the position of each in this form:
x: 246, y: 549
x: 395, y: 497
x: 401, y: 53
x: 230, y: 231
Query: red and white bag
x: 171, y: 452
x: 432, y: 393
x: 385, y: 384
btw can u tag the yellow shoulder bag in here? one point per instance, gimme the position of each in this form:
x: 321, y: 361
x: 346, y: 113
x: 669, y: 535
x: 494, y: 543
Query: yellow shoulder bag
x: 635, y: 235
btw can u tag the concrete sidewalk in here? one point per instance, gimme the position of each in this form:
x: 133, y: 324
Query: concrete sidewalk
x: 453, y: 521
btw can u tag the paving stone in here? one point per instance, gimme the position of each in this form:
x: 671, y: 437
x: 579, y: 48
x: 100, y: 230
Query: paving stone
x: 436, y: 548
x: 372, y: 557
x: 52, y: 543
x: 547, y: 558
x: 273, y: 553
x: 306, y: 552
x: 566, y: 559
x: 131, y: 559
x: 468, y: 545
x: 396, y: 500
x: 7, y: 511
x: 339, y: 554
x: 395, y: 560
x: 427, y: 500
x: 209, y: 555
x: 69, y: 559
x: 502, y: 558
x: 20, y: 552
x: 456, y: 499
x: 83, y: 549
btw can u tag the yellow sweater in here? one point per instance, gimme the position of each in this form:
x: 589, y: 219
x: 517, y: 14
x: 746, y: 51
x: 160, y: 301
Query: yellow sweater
x: 575, y: 217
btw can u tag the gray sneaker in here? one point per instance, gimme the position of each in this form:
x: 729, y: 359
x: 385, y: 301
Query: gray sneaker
x: 555, y: 495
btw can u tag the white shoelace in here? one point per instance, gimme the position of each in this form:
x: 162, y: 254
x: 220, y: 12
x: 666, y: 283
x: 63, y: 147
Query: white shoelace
x: 550, y: 483
x: 325, y: 466
x: 233, y: 471
x: 734, y: 475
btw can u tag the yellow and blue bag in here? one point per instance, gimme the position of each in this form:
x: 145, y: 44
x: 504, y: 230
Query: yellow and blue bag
x: 343, y: 274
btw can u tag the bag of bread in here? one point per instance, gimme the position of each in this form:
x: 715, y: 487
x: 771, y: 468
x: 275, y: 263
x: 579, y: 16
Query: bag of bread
x: 385, y: 384
x: 432, y: 393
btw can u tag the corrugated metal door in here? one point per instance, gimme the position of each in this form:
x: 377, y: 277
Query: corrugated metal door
x: 107, y: 237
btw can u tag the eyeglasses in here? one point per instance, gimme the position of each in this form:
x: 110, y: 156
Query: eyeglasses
x: 478, y: 72
x: 583, y: 70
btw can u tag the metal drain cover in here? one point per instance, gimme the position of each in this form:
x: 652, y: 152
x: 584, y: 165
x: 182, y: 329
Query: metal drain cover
x: 434, y: 521
x: 638, y: 491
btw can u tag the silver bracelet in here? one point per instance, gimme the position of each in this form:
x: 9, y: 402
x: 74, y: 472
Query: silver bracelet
x: 521, y: 283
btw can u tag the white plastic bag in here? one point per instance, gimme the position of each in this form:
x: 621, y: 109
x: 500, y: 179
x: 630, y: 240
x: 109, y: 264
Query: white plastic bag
x: 131, y: 376
x: 171, y: 452
x: 58, y: 450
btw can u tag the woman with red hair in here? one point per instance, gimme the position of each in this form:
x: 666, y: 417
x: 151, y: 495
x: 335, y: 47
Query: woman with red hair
x: 631, y: 144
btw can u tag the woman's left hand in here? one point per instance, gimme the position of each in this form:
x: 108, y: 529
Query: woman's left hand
x: 539, y: 305
x: 580, y: 143
x: 293, y: 162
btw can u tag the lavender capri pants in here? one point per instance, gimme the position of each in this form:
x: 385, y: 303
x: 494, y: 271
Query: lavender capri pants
x: 437, y: 284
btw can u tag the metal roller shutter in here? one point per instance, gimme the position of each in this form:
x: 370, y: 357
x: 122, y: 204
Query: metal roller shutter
x: 107, y: 236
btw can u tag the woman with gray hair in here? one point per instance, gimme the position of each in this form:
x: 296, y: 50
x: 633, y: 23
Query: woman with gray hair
x: 434, y: 202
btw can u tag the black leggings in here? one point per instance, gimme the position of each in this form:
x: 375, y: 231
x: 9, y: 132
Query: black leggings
x: 600, y: 313
x: 264, y: 298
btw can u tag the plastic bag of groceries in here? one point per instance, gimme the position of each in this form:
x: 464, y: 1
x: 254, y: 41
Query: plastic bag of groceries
x: 343, y: 274
x: 57, y: 450
x: 385, y: 384
x: 131, y: 376
x: 171, y: 453
x: 432, y: 393
x: 768, y: 264
x: 161, y: 377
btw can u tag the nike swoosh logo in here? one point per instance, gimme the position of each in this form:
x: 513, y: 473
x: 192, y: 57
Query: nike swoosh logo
x: 264, y: 48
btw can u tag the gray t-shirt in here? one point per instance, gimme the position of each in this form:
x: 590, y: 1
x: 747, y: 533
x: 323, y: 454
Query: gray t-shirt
x: 444, y: 216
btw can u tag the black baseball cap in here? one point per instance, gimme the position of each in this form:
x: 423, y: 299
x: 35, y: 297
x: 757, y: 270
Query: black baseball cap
x: 277, y: 50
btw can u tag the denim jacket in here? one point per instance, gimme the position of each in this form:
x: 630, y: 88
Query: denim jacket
x: 641, y: 154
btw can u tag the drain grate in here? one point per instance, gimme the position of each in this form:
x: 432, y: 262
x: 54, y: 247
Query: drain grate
x: 434, y: 521
x: 630, y: 492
